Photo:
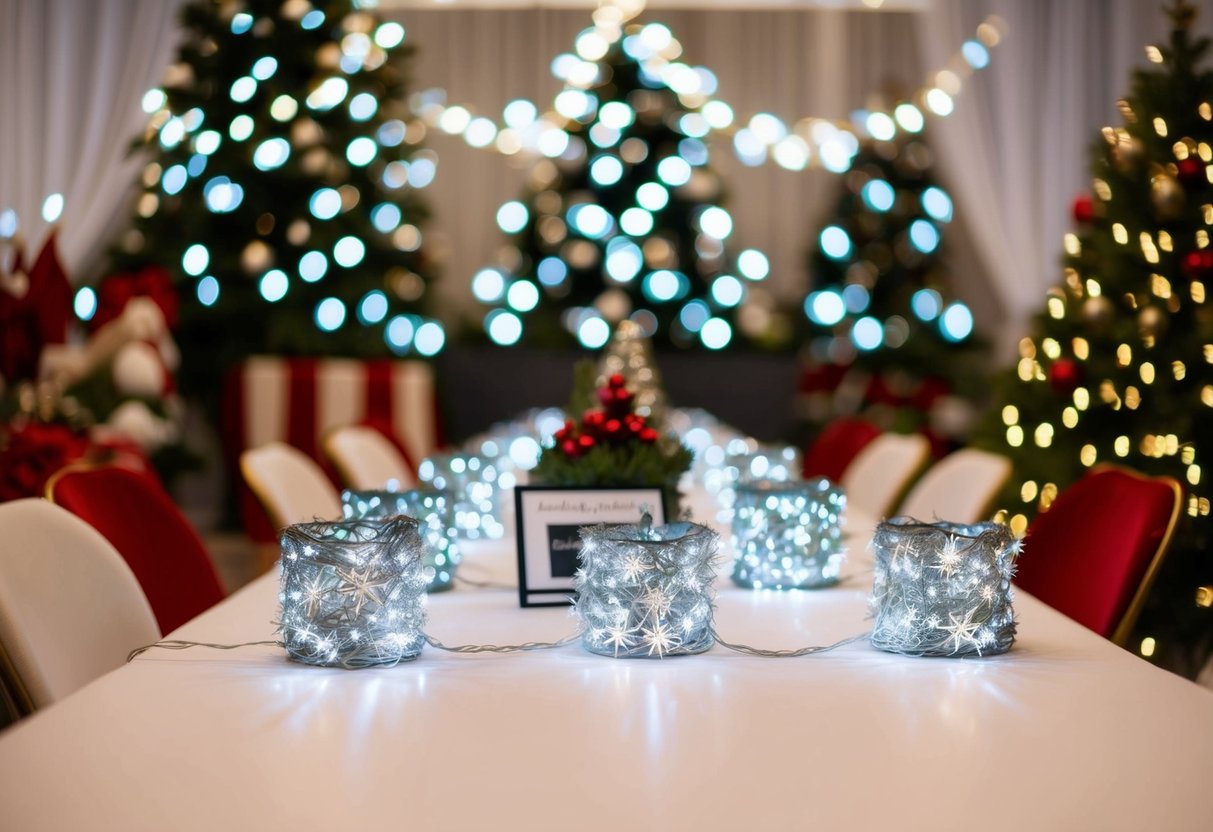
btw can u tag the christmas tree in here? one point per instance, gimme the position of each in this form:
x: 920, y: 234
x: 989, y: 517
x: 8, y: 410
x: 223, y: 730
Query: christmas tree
x: 281, y: 193
x: 1118, y: 368
x: 622, y: 218
x: 887, y: 338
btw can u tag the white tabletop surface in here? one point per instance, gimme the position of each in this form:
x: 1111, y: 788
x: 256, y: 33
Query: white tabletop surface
x: 1065, y: 732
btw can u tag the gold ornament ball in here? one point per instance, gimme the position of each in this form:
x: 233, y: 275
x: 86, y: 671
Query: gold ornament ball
x: 306, y: 132
x: 1167, y: 197
x: 1125, y: 154
x: 1152, y: 322
x: 328, y: 56
x: 315, y: 161
x: 256, y: 257
x: 1097, y: 312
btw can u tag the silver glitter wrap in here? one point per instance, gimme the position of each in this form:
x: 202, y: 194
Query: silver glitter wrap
x: 645, y: 591
x: 943, y: 589
x: 434, y: 511
x: 788, y: 535
x: 353, y: 593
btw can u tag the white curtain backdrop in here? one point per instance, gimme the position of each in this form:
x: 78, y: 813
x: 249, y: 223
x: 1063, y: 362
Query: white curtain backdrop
x: 72, y: 75
x: 1017, y: 149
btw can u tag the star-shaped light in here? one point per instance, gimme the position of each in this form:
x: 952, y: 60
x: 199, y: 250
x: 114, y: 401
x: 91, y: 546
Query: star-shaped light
x: 950, y: 557
x: 363, y: 586
x: 656, y: 600
x: 313, y: 593
x: 633, y: 567
x: 618, y: 638
x: 660, y: 639
x: 961, y: 630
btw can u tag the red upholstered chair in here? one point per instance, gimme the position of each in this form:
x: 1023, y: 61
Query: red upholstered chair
x: 1095, y: 552
x: 141, y: 521
x: 832, y: 451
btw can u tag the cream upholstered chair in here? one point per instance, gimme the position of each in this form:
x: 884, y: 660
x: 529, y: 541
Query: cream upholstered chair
x: 960, y: 488
x: 879, y: 474
x: 290, y: 485
x: 70, y: 608
x: 367, y: 460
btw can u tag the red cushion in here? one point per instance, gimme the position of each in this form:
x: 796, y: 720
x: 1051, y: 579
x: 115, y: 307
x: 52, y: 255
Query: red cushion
x: 151, y: 534
x: 1088, y: 554
x: 836, y: 446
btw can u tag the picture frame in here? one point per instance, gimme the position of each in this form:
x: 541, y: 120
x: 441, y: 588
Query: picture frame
x: 548, y: 518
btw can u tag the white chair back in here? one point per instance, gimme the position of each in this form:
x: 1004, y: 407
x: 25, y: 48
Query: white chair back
x: 70, y: 608
x: 959, y: 488
x: 289, y: 484
x: 879, y: 474
x: 367, y: 460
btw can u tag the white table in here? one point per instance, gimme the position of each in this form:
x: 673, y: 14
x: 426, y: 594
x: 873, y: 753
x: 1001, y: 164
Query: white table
x: 1066, y: 732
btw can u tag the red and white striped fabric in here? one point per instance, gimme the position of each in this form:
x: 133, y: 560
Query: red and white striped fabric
x: 299, y: 400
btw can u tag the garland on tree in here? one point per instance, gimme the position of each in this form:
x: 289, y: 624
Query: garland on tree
x: 887, y: 338
x: 1118, y: 367
x: 281, y: 187
x: 623, y: 220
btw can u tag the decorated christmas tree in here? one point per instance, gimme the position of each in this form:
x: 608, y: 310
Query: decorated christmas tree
x: 281, y: 186
x: 623, y: 217
x: 1118, y: 367
x: 887, y: 338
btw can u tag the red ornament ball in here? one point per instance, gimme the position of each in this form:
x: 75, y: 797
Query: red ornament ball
x: 1065, y: 375
x: 1198, y: 264
x: 569, y: 448
x: 616, y: 381
x: 1084, y: 209
x: 1191, y: 172
x: 648, y: 435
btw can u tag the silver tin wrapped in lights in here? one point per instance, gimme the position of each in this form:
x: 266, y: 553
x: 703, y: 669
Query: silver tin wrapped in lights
x: 788, y: 535
x: 943, y: 589
x: 353, y: 592
x: 474, y: 482
x: 434, y: 511
x: 748, y: 461
x: 646, y: 591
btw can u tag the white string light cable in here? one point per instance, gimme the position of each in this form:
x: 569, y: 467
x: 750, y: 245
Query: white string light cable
x: 811, y: 142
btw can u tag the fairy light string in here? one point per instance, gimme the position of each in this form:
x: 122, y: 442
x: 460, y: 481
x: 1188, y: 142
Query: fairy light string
x: 810, y: 141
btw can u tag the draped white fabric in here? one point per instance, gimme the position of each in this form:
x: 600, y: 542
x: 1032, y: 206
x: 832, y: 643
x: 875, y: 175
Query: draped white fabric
x: 73, y: 75
x: 1017, y: 149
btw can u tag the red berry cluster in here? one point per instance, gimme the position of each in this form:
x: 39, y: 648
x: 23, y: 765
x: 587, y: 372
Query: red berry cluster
x: 614, y: 424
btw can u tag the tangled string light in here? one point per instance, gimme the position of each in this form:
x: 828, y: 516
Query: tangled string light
x: 353, y: 593
x: 474, y: 482
x: 646, y: 591
x: 747, y: 461
x: 943, y: 589
x: 434, y: 511
x: 788, y: 535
